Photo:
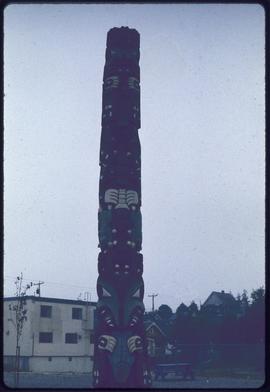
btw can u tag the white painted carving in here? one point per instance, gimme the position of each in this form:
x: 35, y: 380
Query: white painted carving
x: 136, y: 294
x: 133, y: 83
x: 122, y: 198
x: 107, y: 342
x: 112, y: 81
x: 105, y: 293
x: 134, y: 343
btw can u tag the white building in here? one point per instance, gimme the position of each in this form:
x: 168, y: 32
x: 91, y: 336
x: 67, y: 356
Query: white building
x: 57, y: 336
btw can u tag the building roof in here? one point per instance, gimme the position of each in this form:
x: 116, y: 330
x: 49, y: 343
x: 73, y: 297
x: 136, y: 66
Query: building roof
x: 225, y: 298
x: 51, y: 300
x: 148, y: 324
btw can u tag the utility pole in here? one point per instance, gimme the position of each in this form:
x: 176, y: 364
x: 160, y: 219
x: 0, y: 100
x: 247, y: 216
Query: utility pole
x: 153, y: 303
x: 87, y: 296
x: 37, y: 284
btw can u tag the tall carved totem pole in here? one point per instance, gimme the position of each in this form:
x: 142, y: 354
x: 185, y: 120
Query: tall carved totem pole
x: 120, y: 358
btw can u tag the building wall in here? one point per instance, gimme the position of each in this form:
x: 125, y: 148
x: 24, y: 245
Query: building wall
x: 57, y: 356
x: 151, y: 347
x: 61, y: 364
x: 59, y: 324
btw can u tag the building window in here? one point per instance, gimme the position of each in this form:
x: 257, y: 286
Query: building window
x: 69, y: 359
x: 71, y: 338
x: 77, y: 313
x: 45, y: 311
x: 92, y: 338
x: 45, y: 337
x: 49, y: 359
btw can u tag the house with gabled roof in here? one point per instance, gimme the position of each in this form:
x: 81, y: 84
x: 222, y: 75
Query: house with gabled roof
x: 156, y: 337
x: 220, y: 302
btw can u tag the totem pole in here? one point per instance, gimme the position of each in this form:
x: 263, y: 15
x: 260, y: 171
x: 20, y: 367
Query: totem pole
x: 120, y: 358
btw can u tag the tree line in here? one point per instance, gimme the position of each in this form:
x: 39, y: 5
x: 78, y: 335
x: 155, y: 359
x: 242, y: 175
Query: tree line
x: 238, y: 321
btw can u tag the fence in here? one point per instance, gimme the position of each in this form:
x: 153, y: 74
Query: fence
x: 219, y: 355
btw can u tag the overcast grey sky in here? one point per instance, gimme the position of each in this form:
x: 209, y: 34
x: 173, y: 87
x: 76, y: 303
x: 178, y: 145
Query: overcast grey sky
x: 202, y: 139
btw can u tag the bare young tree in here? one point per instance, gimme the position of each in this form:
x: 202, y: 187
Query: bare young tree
x: 19, y: 312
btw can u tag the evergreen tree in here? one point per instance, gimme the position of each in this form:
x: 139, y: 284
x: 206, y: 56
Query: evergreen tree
x: 165, y: 312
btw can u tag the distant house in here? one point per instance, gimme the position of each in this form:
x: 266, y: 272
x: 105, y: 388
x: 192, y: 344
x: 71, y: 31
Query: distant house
x: 156, y: 337
x: 220, y: 303
x: 57, y: 336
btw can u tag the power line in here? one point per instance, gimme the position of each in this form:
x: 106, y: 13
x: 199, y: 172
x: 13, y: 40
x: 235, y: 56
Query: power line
x: 52, y: 283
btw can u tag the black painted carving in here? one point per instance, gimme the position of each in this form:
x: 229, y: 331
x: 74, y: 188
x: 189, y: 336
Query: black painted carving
x: 120, y: 358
